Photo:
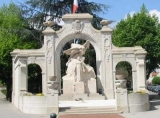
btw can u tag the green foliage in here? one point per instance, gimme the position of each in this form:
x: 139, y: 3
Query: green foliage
x: 10, y: 39
x: 141, y: 29
x: 125, y: 69
x: 34, y: 78
x: 4, y: 92
x: 156, y: 80
x: 37, y: 11
x: 12, y: 26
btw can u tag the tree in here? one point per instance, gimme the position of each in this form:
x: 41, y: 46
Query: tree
x: 38, y: 11
x: 11, y: 37
x: 141, y: 29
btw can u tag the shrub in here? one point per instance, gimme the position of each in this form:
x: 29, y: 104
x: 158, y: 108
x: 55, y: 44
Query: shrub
x: 156, y: 81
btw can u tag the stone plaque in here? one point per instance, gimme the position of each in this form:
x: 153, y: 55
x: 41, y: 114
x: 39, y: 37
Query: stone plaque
x: 79, y: 87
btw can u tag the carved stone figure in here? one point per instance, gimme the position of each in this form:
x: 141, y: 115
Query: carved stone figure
x: 77, y: 70
x: 77, y: 26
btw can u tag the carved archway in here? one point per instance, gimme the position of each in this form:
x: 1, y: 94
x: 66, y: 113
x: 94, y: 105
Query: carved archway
x: 61, y: 43
x: 34, y: 78
x: 124, y: 69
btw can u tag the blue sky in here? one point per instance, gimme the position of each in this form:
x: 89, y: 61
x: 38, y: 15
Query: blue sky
x: 120, y: 8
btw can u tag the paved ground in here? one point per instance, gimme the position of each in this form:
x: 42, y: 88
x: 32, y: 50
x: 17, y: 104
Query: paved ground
x: 8, y: 110
x: 92, y: 116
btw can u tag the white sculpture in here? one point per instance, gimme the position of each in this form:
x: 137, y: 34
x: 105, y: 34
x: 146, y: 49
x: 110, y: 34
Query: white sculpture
x: 77, y: 70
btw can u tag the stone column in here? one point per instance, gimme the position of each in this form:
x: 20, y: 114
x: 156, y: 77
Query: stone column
x: 141, y: 69
x: 49, y: 46
x: 16, y: 83
x: 23, y: 76
x: 52, y: 90
x: 13, y: 79
x: 44, y: 83
x: 107, y: 76
x: 134, y: 80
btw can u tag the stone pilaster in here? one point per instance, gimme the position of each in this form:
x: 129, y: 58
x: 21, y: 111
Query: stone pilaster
x: 141, y: 69
x: 49, y: 47
x: 106, y: 72
x: 24, y: 75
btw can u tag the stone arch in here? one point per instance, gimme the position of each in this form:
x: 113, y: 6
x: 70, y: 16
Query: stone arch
x: 34, y: 82
x: 124, y: 71
x: 40, y: 64
x: 115, y: 64
x: 69, y: 37
x: 107, y: 57
x: 83, y: 36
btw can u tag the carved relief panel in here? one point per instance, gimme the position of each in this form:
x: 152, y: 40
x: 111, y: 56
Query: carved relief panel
x: 107, y: 43
x: 49, y: 49
x: 77, y: 26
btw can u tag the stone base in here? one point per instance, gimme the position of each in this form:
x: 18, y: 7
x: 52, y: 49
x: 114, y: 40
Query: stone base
x: 68, y: 86
x: 122, y: 100
x: 92, y: 88
x: 79, y: 88
x: 71, y: 87
x: 38, y: 105
x: 74, y: 97
x: 138, y: 102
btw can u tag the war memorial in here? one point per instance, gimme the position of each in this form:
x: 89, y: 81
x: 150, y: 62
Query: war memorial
x: 81, y: 86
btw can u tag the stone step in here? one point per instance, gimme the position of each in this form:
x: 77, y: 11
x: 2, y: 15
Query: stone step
x: 87, y: 110
x: 73, y: 97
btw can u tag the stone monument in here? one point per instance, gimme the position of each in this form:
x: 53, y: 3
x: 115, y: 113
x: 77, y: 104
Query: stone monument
x: 80, y: 77
x: 79, y: 81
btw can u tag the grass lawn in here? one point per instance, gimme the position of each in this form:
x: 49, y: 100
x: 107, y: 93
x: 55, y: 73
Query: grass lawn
x: 4, y: 92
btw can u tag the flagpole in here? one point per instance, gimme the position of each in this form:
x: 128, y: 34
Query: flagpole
x: 75, y: 8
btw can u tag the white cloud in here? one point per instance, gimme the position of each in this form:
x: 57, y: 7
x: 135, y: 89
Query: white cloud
x: 131, y: 14
x: 113, y: 25
x: 151, y: 12
x: 155, y: 12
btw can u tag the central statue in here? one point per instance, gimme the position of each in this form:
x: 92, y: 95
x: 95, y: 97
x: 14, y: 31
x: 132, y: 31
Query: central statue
x: 77, y: 70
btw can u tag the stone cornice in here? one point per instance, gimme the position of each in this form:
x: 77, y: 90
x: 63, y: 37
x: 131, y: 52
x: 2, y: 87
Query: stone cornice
x: 76, y: 16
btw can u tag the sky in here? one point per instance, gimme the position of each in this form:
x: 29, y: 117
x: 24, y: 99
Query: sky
x: 119, y: 8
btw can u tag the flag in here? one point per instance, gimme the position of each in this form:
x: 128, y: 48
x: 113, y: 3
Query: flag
x: 75, y: 6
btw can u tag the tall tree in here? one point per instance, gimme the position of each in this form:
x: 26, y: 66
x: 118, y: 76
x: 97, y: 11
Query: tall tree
x: 38, y: 11
x: 141, y: 29
x: 11, y: 37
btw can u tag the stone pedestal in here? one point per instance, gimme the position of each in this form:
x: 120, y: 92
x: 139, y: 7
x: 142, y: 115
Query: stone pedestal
x: 71, y: 87
x: 138, y: 102
x: 122, y: 100
x: 92, y: 87
x: 79, y: 87
x: 120, y: 84
x: 52, y: 102
x: 68, y: 86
